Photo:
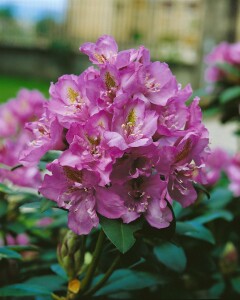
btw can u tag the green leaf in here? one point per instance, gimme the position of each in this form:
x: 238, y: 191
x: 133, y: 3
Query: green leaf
x: 23, y: 289
x: 236, y: 284
x: 8, y: 253
x: 57, y: 269
x: 45, y: 204
x: 201, y: 188
x: 220, y: 197
x: 16, y: 227
x: 127, y: 280
x: 31, y: 205
x: 229, y: 69
x: 201, y: 92
x: 120, y: 234
x: 217, y: 289
x: 230, y: 94
x: 3, y: 166
x: 210, y: 216
x: 50, y: 282
x: 195, y: 230
x: 3, y: 208
x: 51, y: 155
x: 5, y: 189
x: 171, y: 256
x: 19, y: 248
x: 210, y: 112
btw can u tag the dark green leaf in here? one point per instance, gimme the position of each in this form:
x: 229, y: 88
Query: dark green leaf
x: 51, y: 155
x: 5, y: 189
x: 181, y: 212
x: 120, y: 234
x: 43, y: 297
x: 19, y: 248
x: 45, y: 204
x: 230, y: 94
x: 127, y: 280
x: 229, y: 69
x: 236, y: 284
x: 200, y: 187
x: 194, y: 230
x: 16, y: 227
x: 8, y: 253
x: 56, y: 268
x: 121, y: 295
x: 3, y: 208
x: 42, y: 165
x: 201, y: 92
x: 217, y: 289
x: 171, y: 256
x: 23, y: 289
x: 210, y: 112
x: 31, y: 205
x: 210, y: 216
x: 237, y: 131
x: 220, y: 197
x: 50, y: 282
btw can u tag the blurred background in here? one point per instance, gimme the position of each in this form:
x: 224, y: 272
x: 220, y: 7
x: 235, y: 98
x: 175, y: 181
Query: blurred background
x: 39, y: 40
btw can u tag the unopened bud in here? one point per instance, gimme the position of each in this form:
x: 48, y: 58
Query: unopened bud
x: 229, y: 259
x: 70, y: 254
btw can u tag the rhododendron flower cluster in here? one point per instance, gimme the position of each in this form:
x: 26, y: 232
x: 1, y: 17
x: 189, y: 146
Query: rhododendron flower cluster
x: 233, y: 172
x: 222, y: 53
x: 223, y: 76
x: 220, y: 161
x: 26, y: 107
x: 130, y: 144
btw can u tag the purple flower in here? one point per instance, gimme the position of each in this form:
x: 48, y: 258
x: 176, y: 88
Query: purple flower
x: 157, y: 82
x: 173, y: 116
x: 78, y: 191
x: 47, y: 134
x: 222, y: 53
x: 181, y: 165
x: 101, y: 52
x: 89, y: 149
x: 131, y: 144
x: 216, y: 163
x: 233, y: 172
x: 144, y: 196
x: 22, y: 176
x: 139, y: 185
x: 8, y: 122
x: 69, y: 101
x: 21, y: 239
x: 132, y: 126
x: 27, y: 106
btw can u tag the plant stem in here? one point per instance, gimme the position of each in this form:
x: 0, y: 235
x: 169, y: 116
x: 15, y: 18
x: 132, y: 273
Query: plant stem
x: 96, y: 255
x: 82, y: 248
x: 101, y: 282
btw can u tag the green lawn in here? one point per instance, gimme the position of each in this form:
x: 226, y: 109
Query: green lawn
x: 9, y: 86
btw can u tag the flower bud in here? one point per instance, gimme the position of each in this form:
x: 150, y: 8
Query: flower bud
x: 229, y: 259
x: 70, y: 253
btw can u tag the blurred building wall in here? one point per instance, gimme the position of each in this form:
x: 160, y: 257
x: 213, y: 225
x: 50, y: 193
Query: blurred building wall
x: 170, y: 29
x: 180, y: 32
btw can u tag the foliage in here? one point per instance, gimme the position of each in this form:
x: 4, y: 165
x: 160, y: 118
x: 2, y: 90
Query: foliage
x: 154, y: 265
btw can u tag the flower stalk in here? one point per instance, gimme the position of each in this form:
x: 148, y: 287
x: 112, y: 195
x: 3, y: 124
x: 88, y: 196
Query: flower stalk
x: 101, y: 282
x: 92, y: 268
